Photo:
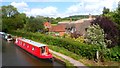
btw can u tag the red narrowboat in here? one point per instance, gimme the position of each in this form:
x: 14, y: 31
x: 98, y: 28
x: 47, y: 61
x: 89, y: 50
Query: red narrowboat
x: 37, y: 49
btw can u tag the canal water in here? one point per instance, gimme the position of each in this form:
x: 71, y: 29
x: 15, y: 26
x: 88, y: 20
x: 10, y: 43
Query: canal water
x: 13, y: 55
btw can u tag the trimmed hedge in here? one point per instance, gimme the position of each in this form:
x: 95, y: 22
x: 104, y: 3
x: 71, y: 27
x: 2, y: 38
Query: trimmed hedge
x: 81, y: 49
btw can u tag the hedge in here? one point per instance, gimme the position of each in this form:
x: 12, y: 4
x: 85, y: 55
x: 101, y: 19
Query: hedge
x: 81, y: 49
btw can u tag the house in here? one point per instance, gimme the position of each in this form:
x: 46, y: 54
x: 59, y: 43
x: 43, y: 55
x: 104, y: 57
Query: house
x: 59, y: 30
x: 79, y: 27
x: 47, y: 25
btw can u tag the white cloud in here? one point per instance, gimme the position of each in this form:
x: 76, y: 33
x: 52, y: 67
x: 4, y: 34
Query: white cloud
x: 81, y: 7
x: 20, y: 5
x: 91, y: 6
x: 91, y: 0
x: 0, y: 0
x: 41, y: 0
x: 75, y: 8
x: 47, y: 11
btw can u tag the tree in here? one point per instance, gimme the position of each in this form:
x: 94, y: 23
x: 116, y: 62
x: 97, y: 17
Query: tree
x: 115, y: 17
x: 105, y: 10
x: 34, y: 24
x: 95, y: 36
x: 9, y: 11
x: 20, y: 20
x: 119, y: 5
x: 110, y: 28
x: 12, y: 19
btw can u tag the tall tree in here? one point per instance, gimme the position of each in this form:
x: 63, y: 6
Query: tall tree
x: 9, y: 11
x: 34, y: 24
x: 110, y: 28
x: 119, y: 5
x: 105, y: 10
x: 12, y: 19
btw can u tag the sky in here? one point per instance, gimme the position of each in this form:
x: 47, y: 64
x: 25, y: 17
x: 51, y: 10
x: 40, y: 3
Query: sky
x: 61, y: 8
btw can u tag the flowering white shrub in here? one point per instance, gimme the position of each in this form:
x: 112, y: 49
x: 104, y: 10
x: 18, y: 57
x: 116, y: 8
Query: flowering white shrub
x: 95, y: 35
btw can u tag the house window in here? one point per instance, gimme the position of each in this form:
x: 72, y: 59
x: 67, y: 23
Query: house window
x: 33, y: 48
x: 57, y: 34
x: 86, y: 29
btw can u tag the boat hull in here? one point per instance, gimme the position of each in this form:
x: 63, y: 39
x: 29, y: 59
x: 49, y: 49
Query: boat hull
x: 36, y: 52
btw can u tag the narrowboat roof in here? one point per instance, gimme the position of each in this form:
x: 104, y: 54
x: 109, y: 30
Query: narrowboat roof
x: 32, y: 42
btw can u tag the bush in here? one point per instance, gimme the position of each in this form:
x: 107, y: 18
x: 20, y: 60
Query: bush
x: 81, y: 49
x: 110, y: 28
x: 95, y: 35
x: 113, y: 54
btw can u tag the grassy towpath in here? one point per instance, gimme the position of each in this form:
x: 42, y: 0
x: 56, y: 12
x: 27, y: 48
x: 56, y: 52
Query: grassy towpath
x: 71, y: 60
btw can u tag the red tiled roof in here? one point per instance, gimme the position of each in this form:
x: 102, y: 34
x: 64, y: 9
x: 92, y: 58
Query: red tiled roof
x: 45, y: 23
x: 58, y: 28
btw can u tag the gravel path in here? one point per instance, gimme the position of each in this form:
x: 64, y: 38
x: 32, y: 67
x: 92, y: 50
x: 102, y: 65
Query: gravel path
x: 71, y: 60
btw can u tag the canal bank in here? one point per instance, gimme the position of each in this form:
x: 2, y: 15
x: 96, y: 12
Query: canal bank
x: 75, y: 63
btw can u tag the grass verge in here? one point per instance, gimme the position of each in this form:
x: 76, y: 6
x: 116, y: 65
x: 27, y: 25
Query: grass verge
x: 68, y: 64
x: 87, y: 62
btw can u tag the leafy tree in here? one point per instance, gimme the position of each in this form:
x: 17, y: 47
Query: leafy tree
x: 105, y: 10
x: 110, y: 29
x: 12, y: 19
x: 115, y: 17
x: 95, y: 36
x: 9, y: 11
x: 119, y: 5
x: 34, y: 24
x: 20, y: 20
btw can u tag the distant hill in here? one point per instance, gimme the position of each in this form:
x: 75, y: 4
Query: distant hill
x: 77, y: 17
x: 74, y: 18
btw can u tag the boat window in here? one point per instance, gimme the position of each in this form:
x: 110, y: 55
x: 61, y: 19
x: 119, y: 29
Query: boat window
x: 24, y: 44
x: 43, y: 49
x: 33, y: 48
x: 9, y: 36
x: 28, y: 46
x: 21, y: 43
x: 16, y: 41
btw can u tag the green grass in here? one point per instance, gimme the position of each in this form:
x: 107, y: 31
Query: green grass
x: 68, y: 64
x: 70, y: 54
x: 65, y: 52
x: 53, y: 24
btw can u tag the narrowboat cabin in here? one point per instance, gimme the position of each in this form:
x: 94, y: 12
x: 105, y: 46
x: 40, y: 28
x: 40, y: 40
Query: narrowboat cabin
x: 37, y: 49
x: 8, y: 37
